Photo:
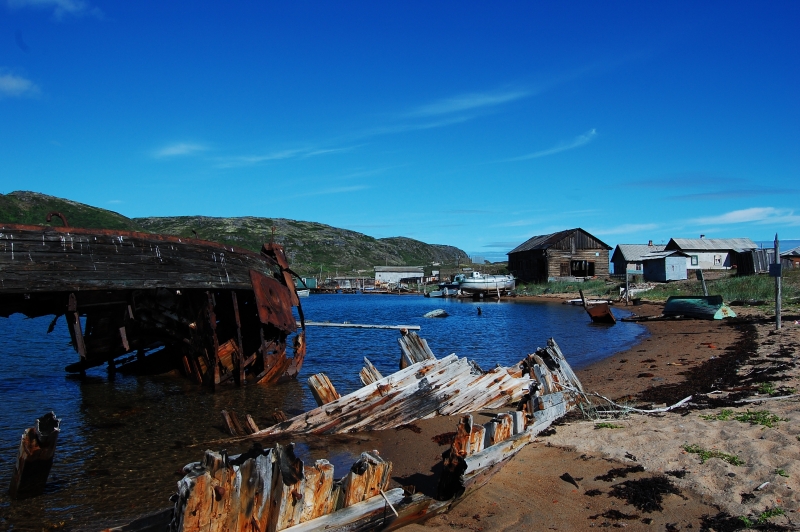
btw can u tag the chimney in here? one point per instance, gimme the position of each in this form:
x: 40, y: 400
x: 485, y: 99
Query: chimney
x: 650, y: 243
x: 702, y: 236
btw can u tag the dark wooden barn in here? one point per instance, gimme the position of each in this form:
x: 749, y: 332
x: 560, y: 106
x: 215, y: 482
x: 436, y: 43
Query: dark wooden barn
x: 572, y: 253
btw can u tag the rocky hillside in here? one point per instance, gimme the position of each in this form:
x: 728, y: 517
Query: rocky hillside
x: 310, y: 246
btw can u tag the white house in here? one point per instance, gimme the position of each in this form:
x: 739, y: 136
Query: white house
x: 393, y: 274
x: 711, y: 253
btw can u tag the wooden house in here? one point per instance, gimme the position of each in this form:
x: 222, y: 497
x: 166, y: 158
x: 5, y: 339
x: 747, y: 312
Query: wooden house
x: 629, y: 257
x: 711, y: 253
x: 568, y: 254
x: 791, y: 259
x: 664, y: 266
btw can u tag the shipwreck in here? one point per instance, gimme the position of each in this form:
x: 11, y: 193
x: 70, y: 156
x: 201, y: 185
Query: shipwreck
x: 149, y: 303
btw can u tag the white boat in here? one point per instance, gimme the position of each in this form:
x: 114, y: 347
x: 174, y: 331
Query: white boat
x: 303, y: 293
x: 479, y: 283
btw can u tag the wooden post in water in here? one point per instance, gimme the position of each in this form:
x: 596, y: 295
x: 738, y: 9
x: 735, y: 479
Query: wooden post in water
x: 777, y: 283
x: 35, y: 457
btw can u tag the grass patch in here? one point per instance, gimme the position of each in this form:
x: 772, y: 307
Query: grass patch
x: 763, y: 518
x: 607, y: 425
x: 706, y: 454
x: 782, y: 472
x: 766, y: 388
x: 760, y: 417
x: 590, y: 288
x: 724, y: 415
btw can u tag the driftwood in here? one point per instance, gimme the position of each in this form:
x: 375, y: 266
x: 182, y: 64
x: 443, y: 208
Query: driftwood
x: 322, y: 389
x: 35, y: 457
x: 415, y: 349
x: 369, y: 373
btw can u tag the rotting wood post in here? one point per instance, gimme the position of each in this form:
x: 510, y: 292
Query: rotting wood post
x: 75, y: 328
x: 35, y: 457
x: 322, y: 389
x: 778, y: 283
x: 213, y: 370
x: 238, y: 365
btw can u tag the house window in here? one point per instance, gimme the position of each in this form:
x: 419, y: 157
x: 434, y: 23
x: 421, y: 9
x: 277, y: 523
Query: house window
x: 582, y: 268
x: 717, y: 260
x: 695, y: 260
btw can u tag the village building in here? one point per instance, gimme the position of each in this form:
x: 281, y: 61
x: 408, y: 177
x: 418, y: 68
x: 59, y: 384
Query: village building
x: 711, y: 253
x: 664, y: 266
x: 396, y: 274
x: 791, y: 258
x: 629, y: 257
x: 570, y: 254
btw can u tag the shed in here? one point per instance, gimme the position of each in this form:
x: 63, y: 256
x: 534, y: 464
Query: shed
x: 711, y: 253
x: 791, y: 258
x: 629, y: 256
x: 663, y: 266
x: 568, y: 254
x: 393, y: 274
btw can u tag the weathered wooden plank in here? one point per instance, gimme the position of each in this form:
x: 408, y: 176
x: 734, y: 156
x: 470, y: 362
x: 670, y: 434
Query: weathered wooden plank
x: 367, y: 477
x: 317, y: 500
x: 35, y: 457
x: 288, y: 487
x: 363, y: 516
x: 414, y: 349
x: 369, y: 373
x: 322, y: 389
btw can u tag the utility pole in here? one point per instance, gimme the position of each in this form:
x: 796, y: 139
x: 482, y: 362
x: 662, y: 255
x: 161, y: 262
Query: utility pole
x: 777, y: 274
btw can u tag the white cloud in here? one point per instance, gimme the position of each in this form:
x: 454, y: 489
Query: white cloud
x: 625, y: 229
x: 60, y: 8
x: 758, y: 215
x: 466, y: 102
x: 16, y: 86
x: 333, y: 190
x: 251, y: 160
x: 577, y: 142
x: 181, y: 148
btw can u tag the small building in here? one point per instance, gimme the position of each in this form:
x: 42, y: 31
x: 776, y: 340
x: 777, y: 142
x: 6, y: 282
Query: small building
x: 664, y: 266
x: 791, y: 258
x: 394, y: 274
x: 711, y: 253
x: 628, y: 257
x: 568, y: 254
x: 306, y: 282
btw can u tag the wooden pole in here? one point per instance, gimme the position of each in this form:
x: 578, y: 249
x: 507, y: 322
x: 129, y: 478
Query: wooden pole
x: 777, y: 283
x: 35, y: 457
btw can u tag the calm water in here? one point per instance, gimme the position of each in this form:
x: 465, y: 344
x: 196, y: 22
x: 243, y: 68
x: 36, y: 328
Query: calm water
x: 122, y: 443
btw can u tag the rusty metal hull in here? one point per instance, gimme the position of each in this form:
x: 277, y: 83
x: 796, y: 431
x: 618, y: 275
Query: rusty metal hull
x: 219, y: 312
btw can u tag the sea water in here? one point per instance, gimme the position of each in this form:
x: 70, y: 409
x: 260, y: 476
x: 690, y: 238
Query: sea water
x: 124, y: 441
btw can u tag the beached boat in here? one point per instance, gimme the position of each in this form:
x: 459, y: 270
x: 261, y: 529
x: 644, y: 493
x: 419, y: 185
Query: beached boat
x: 478, y: 283
x: 270, y: 489
x: 599, y: 312
x: 703, y: 307
x: 136, y: 300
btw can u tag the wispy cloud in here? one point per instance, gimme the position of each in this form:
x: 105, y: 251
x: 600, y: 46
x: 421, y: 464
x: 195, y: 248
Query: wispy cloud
x: 61, y: 8
x: 114, y: 201
x: 237, y: 161
x: 17, y: 87
x: 577, y: 142
x: 625, y: 229
x: 332, y: 190
x: 757, y: 215
x: 733, y: 194
x: 468, y: 102
x: 179, y: 149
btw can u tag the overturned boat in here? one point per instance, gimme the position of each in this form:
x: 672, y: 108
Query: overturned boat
x: 146, y: 302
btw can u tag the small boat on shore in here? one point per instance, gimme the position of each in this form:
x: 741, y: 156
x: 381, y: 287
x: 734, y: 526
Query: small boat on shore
x: 703, y: 307
x: 479, y: 283
x: 599, y: 312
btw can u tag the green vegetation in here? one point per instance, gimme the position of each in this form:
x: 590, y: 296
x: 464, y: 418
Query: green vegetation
x: 781, y: 472
x: 705, y: 454
x: 312, y: 248
x: 766, y: 388
x: 590, y: 288
x: 32, y: 208
x: 758, y: 417
x: 733, y: 287
x: 762, y: 518
x: 606, y: 425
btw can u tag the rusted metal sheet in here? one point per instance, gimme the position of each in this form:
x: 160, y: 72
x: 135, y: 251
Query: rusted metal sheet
x: 274, y: 302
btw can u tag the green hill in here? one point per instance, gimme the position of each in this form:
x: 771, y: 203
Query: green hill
x: 311, y: 247
x: 31, y: 208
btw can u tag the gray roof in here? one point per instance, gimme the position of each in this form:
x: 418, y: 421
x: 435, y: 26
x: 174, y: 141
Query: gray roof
x: 795, y: 252
x: 663, y: 254
x: 401, y: 269
x: 635, y: 252
x: 711, y: 244
x: 545, y: 241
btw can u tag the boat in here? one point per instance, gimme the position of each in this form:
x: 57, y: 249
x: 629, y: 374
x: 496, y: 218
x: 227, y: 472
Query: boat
x: 479, y: 283
x: 435, y: 293
x: 304, y: 292
x: 703, y: 307
x: 598, y: 312
x: 146, y: 302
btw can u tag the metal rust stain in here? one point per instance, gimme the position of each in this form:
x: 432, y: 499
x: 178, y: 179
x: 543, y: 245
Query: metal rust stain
x: 274, y: 302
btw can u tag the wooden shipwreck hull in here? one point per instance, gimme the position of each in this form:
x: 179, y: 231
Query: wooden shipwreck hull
x: 268, y: 490
x: 216, y: 312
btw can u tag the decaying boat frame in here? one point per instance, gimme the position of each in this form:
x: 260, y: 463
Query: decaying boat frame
x: 217, y: 312
x: 268, y: 490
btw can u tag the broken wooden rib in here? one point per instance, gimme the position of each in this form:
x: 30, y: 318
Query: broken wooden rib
x: 414, y: 348
x: 217, y: 311
x: 322, y: 389
x: 35, y: 457
x: 369, y: 373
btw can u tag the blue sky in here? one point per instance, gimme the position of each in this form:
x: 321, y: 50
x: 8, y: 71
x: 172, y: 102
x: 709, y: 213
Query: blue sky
x: 472, y: 124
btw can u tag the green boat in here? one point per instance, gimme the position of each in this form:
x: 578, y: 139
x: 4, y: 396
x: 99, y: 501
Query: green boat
x: 702, y: 307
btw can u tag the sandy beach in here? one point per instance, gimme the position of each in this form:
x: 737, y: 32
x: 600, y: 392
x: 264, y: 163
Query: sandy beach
x: 634, y: 471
